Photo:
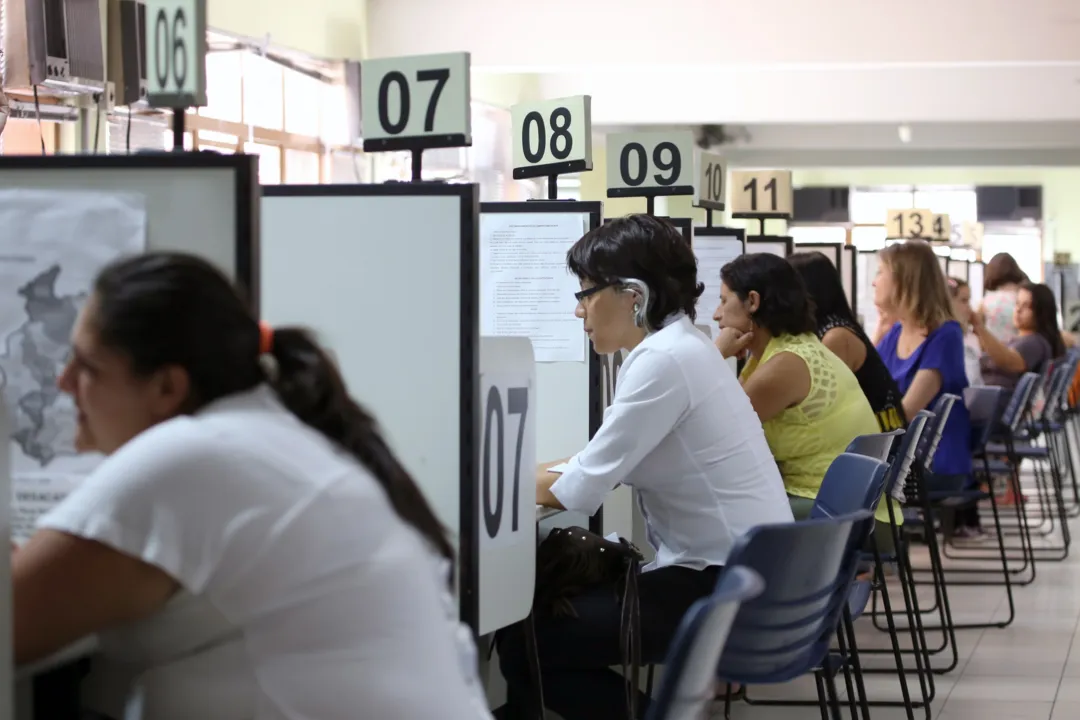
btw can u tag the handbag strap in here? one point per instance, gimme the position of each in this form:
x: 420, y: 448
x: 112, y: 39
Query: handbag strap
x: 630, y: 636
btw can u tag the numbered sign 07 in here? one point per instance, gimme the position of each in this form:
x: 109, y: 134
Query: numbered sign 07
x: 411, y: 103
x: 507, y: 459
x: 176, y: 53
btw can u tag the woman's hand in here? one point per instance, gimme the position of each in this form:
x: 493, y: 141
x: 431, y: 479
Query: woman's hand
x: 732, y: 342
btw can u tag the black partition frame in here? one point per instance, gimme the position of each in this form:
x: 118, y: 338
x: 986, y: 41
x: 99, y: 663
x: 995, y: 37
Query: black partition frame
x: 684, y: 225
x: 469, y: 360
x: 833, y: 251
x: 248, y: 192
x: 595, y: 211
x: 719, y: 231
x: 854, y: 253
x: 950, y: 262
x: 789, y: 243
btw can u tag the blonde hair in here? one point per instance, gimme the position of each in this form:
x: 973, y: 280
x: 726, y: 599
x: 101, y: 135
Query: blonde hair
x: 918, y: 283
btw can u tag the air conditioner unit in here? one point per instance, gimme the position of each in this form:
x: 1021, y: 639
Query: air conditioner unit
x: 54, y: 45
x: 127, y: 51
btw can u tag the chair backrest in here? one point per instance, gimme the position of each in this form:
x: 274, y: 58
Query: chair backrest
x: 808, y: 568
x: 690, y: 668
x: 1018, y: 403
x: 852, y: 483
x: 929, y: 444
x: 878, y: 445
x: 985, y: 407
x: 1054, y: 387
x: 900, y: 468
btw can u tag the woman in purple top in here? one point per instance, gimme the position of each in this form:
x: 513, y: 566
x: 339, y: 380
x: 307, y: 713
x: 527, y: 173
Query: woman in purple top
x: 924, y: 352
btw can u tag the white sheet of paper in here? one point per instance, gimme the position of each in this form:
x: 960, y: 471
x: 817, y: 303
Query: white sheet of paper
x: 712, y: 253
x: 525, y: 287
x: 52, y: 246
x: 559, y: 469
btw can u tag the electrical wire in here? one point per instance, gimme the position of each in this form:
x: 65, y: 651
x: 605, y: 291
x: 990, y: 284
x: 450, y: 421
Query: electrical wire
x: 97, y: 123
x: 41, y: 130
x: 128, y: 132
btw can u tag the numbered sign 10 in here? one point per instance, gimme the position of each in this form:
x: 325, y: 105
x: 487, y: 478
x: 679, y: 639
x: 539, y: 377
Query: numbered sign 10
x: 176, y: 53
x: 508, y: 458
x: 908, y: 224
x: 416, y: 102
x: 552, y: 137
x: 710, y: 173
x: 940, y: 227
x: 761, y: 194
x: 652, y: 163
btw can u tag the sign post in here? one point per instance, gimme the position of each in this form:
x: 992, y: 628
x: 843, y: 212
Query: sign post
x: 176, y: 59
x: 415, y: 103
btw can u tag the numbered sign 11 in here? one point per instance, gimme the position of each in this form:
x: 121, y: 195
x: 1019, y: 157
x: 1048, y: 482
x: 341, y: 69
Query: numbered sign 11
x: 552, y: 137
x: 909, y: 224
x: 650, y: 163
x: 176, y: 53
x: 940, y: 227
x: 761, y: 194
x: 416, y: 102
x: 710, y: 172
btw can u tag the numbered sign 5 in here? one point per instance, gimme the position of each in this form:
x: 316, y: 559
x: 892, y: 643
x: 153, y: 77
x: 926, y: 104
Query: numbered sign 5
x: 411, y: 103
x: 909, y: 224
x: 176, y: 53
x: 761, y: 193
x: 552, y: 137
x: 508, y: 456
x: 709, y: 173
x: 653, y: 163
x: 940, y: 227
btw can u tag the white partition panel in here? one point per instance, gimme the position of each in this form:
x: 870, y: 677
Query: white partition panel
x: 6, y: 655
x: 957, y: 269
x: 849, y: 273
x: 386, y: 275
x: 772, y: 244
x: 866, y: 271
x: 714, y: 247
x: 975, y: 281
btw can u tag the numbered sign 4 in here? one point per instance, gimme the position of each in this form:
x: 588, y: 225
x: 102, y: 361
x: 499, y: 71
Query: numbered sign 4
x: 176, y: 53
x: 652, y: 163
x: 709, y: 173
x: 908, y: 224
x: 552, y: 137
x: 761, y: 194
x: 940, y: 227
x: 411, y: 103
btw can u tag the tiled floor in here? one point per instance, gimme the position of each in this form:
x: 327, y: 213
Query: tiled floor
x: 1027, y: 671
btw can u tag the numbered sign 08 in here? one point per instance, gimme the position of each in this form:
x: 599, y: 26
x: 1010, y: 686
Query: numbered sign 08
x: 654, y: 163
x: 176, y: 53
x: 411, y: 103
x: 507, y: 459
x: 552, y: 137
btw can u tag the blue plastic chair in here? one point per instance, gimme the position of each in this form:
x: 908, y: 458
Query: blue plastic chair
x: 688, y: 685
x: 878, y: 445
x: 786, y: 632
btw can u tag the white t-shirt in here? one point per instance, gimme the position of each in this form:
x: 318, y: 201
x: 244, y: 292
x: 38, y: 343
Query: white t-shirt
x: 303, y: 594
x: 682, y: 432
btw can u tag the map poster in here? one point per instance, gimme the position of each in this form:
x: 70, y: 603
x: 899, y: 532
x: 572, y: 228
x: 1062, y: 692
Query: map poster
x: 52, y: 245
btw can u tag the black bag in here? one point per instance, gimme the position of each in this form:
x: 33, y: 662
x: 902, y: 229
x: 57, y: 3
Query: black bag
x: 571, y: 560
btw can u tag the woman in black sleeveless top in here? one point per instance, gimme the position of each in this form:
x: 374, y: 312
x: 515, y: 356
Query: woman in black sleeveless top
x: 841, y: 333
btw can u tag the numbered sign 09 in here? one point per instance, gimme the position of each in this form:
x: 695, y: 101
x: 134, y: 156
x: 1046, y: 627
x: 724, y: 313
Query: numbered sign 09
x: 652, y: 163
x: 176, y: 53
x: 507, y: 458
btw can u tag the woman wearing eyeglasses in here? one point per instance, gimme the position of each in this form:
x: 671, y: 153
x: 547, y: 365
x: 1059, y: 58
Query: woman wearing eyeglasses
x: 681, y: 432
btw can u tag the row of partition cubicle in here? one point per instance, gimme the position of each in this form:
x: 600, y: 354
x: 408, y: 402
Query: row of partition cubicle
x: 417, y: 288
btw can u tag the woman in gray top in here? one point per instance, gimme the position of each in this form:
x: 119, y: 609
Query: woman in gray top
x: 1037, y: 342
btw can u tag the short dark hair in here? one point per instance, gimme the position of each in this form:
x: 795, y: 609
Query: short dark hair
x: 824, y: 285
x: 162, y: 309
x: 645, y: 248
x: 786, y: 307
x: 1003, y: 270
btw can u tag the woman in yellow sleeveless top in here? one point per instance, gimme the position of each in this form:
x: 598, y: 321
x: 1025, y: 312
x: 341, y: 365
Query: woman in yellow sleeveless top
x: 810, y: 403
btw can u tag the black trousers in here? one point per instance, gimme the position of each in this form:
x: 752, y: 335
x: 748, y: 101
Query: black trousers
x: 576, y: 653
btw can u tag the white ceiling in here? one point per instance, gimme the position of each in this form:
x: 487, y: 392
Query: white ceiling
x: 782, y: 61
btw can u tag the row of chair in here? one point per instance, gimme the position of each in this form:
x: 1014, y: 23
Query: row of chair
x: 787, y: 603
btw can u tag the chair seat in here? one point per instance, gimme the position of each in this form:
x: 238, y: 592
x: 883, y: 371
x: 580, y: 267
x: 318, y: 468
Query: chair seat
x: 957, y: 498
x: 1022, y: 451
x: 859, y: 597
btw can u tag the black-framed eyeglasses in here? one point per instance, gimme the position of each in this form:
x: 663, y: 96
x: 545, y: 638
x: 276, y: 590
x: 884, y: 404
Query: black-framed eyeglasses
x: 588, y: 292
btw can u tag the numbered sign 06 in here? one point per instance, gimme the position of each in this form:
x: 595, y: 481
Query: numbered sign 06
x: 508, y: 459
x: 176, y: 53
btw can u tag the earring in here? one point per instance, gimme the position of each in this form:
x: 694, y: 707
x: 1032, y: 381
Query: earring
x: 637, y: 308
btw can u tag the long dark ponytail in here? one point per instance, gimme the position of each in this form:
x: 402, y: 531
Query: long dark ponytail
x: 164, y: 309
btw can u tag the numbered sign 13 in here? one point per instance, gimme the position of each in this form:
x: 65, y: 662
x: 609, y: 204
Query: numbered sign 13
x: 507, y: 457
x: 552, y: 137
x: 176, y: 53
x: 421, y: 101
x: 909, y: 224
x: 650, y: 163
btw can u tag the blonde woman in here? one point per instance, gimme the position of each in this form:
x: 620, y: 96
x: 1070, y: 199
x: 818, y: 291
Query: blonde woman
x: 924, y: 351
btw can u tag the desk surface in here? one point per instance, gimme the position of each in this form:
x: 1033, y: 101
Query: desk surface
x: 83, y: 648
x: 543, y: 512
